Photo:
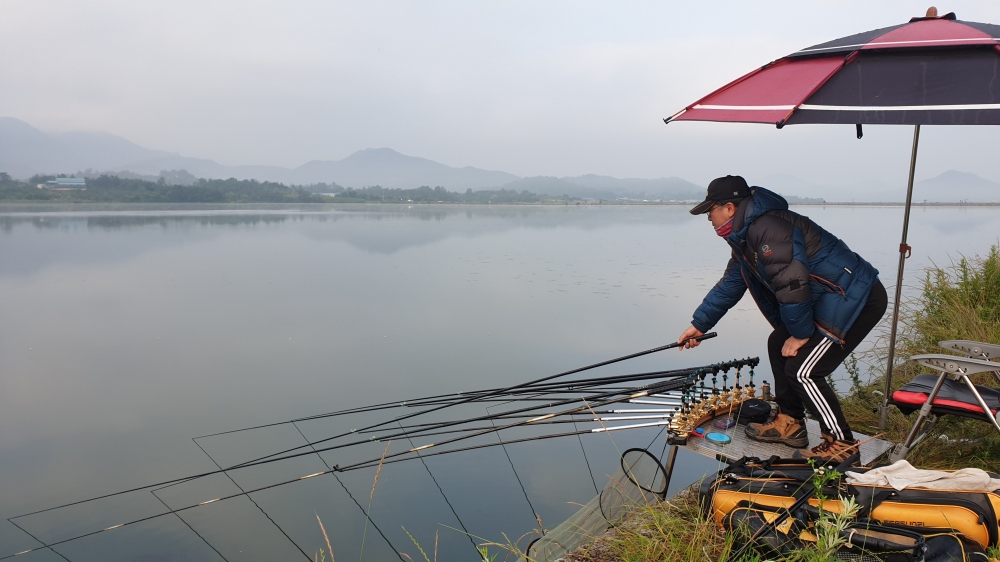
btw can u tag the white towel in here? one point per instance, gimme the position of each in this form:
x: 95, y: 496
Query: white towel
x: 901, y: 474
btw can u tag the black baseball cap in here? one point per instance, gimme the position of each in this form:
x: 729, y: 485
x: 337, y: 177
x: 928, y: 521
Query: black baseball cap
x: 722, y: 189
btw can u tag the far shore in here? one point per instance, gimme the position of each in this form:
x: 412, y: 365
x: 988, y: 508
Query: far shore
x: 58, y: 206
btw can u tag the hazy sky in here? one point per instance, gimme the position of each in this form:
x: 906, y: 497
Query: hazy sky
x: 533, y: 88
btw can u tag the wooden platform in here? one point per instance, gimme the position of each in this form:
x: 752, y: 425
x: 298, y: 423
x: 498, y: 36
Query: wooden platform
x: 741, y: 445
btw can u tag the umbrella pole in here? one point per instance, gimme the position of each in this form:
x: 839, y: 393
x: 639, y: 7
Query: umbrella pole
x: 904, y: 252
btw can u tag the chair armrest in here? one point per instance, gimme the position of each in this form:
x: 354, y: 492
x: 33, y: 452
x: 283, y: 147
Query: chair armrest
x: 974, y: 348
x: 955, y: 365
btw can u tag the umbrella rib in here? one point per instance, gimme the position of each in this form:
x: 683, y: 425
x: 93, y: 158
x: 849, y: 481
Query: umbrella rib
x: 847, y: 60
x: 912, y: 41
x: 744, y: 107
x: 970, y: 106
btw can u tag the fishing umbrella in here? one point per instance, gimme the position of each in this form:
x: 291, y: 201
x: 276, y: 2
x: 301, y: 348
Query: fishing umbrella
x: 932, y: 70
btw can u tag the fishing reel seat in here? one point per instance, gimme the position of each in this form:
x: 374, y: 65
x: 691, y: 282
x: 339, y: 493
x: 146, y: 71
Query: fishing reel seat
x: 950, y: 392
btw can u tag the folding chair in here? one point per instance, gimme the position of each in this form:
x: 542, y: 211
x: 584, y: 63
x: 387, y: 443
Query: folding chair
x: 951, y: 392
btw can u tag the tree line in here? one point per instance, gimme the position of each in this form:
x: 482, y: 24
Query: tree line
x: 114, y: 189
x: 427, y: 194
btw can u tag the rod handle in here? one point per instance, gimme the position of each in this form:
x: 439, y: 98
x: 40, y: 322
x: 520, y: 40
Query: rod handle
x: 702, y: 337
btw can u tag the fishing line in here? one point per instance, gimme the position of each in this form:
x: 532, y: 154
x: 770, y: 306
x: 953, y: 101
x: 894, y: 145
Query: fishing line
x: 350, y: 495
x: 264, y: 460
x: 181, y: 480
x: 356, y: 466
x: 590, y: 471
x: 443, y: 495
x: 233, y: 480
x: 665, y: 443
x: 534, y: 513
x: 645, y: 390
x: 23, y: 530
x: 270, y: 486
x: 203, y: 539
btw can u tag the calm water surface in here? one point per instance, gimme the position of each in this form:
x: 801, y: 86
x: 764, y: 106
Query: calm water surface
x: 127, y: 333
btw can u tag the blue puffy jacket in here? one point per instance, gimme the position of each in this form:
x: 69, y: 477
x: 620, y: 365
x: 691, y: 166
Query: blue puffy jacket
x: 800, y: 275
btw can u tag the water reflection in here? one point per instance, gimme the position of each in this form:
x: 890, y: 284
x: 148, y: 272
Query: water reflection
x: 127, y: 332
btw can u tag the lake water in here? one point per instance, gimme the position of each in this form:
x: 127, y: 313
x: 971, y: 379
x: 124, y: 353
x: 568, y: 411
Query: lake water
x: 125, y: 333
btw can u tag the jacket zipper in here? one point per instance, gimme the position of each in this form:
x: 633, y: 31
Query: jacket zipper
x: 828, y: 334
x: 752, y: 266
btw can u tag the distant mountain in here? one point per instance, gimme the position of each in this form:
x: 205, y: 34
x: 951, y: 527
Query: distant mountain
x: 953, y: 186
x: 604, y: 187
x: 948, y: 187
x: 869, y: 192
x: 388, y: 168
x: 25, y: 151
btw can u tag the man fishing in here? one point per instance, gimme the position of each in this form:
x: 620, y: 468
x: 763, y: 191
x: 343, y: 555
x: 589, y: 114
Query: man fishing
x: 821, y: 298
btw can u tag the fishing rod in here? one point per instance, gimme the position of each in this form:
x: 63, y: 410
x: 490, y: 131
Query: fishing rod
x: 424, y: 428
x: 671, y: 400
x: 508, y: 415
x: 500, y: 392
x: 669, y: 385
x: 272, y: 457
x: 453, y: 397
x: 268, y: 458
x: 385, y: 459
x: 573, y: 418
x: 651, y: 390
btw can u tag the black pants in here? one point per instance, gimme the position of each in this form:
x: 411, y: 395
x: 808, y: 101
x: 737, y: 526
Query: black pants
x: 800, y: 382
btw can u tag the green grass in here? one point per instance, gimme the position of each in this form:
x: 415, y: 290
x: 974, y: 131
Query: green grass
x: 673, y: 530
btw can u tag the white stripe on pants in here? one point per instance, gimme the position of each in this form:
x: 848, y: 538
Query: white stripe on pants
x: 804, y: 377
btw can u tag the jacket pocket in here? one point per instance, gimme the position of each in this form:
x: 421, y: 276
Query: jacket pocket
x: 830, y: 286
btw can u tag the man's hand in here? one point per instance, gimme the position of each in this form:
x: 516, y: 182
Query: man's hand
x: 688, y: 335
x: 792, y: 346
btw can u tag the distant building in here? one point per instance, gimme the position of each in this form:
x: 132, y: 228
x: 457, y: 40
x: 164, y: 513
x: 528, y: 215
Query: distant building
x: 63, y: 184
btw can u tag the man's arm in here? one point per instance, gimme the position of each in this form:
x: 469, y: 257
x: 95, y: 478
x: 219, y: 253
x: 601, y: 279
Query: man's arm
x: 723, y: 296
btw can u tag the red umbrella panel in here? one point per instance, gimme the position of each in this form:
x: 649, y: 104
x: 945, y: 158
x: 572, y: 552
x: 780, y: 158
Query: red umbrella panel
x: 930, y: 71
